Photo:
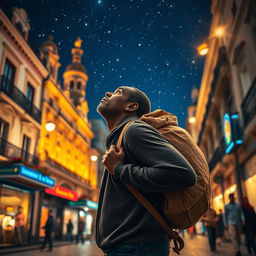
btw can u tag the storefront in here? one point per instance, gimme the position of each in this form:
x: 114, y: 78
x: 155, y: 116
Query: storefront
x: 87, y: 211
x: 250, y: 180
x: 19, y: 184
x: 57, y: 199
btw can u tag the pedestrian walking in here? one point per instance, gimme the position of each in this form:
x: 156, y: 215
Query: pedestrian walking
x: 210, y: 222
x: 220, y: 228
x: 234, y: 220
x: 69, y: 231
x: 80, y: 232
x: 20, y: 229
x: 48, y: 227
x: 147, y: 162
x: 250, y: 225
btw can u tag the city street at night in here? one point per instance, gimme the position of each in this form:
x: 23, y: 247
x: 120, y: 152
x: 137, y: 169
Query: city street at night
x: 198, y: 246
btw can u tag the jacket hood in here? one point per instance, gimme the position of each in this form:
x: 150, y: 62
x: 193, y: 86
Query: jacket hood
x: 160, y: 118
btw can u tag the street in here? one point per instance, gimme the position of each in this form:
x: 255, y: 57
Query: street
x: 198, y: 246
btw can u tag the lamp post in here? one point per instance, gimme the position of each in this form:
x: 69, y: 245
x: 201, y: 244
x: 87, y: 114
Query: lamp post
x: 203, y: 48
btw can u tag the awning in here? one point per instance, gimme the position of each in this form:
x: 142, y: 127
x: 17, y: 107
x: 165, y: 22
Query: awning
x: 84, y: 203
x: 19, y: 174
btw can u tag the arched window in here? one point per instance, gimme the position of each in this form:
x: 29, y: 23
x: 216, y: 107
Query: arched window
x: 72, y: 84
x: 79, y: 85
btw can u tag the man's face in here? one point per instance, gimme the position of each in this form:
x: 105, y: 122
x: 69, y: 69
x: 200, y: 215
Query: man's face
x: 114, y: 102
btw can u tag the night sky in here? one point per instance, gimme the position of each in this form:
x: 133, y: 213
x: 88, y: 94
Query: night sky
x: 149, y: 44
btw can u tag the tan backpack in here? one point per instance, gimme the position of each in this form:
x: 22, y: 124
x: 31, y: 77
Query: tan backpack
x: 183, y: 208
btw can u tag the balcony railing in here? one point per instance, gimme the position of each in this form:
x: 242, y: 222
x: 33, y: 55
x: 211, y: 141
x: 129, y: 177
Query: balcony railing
x: 11, y: 151
x: 14, y: 93
x: 249, y: 104
x: 217, y: 156
x: 222, y: 61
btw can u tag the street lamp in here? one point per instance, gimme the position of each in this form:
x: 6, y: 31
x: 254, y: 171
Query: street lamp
x: 94, y: 158
x: 192, y: 120
x: 203, y: 48
x: 50, y: 126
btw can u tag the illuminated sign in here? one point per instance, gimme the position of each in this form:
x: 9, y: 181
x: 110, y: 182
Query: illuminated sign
x: 26, y: 173
x: 63, y: 192
x: 84, y: 203
x: 232, y: 133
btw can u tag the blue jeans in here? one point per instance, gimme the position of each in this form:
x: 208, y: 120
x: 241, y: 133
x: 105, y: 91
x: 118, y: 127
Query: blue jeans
x: 211, y: 237
x: 142, y: 249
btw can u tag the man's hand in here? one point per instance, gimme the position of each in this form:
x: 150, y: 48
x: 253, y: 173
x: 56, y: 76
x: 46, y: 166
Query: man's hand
x: 112, y: 158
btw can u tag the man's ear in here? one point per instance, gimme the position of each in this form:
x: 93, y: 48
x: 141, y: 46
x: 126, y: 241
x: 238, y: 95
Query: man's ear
x: 131, y: 106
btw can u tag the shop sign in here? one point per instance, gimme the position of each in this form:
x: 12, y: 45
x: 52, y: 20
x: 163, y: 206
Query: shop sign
x: 21, y: 171
x: 84, y: 203
x: 63, y: 193
x: 232, y: 133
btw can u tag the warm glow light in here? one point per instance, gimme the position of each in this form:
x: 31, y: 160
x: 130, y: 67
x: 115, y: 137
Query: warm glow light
x: 94, y: 158
x: 50, y: 126
x: 86, y: 209
x: 219, y: 32
x: 203, y: 49
x: 192, y: 120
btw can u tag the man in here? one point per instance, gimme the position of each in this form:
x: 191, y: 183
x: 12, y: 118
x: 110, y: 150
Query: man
x: 210, y: 222
x: 20, y: 226
x: 48, y: 231
x: 80, y: 232
x: 69, y: 230
x: 234, y: 220
x: 147, y: 162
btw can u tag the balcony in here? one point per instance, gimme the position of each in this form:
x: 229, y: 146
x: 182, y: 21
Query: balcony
x: 249, y: 104
x: 217, y: 156
x: 221, y: 62
x: 18, y: 97
x: 11, y: 151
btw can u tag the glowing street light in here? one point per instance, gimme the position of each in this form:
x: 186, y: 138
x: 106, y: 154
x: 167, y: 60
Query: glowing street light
x: 192, y: 120
x: 203, y: 48
x: 50, y: 126
x: 94, y: 158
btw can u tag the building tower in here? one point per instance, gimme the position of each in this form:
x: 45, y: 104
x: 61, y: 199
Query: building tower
x: 75, y: 80
x: 50, y: 57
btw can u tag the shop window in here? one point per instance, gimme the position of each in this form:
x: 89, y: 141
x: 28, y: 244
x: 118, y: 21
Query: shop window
x: 9, y: 75
x: 4, y: 130
x: 26, y: 147
x: 14, y: 215
x: 30, y: 92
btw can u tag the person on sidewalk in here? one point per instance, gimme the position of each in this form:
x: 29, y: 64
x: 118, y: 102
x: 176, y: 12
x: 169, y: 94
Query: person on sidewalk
x: 234, y: 220
x: 220, y: 228
x: 69, y: 231
x: 48, y: 227
x: 250, y: 225
x: 210, y: 222
x: 20, y: 226
x: 80, y: 232
x: 147, y: 162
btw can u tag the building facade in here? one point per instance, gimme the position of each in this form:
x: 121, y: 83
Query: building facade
x: 225, y: 115
x: 45, y: 136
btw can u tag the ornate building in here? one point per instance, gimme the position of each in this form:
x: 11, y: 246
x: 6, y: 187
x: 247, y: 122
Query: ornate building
x: 225, y: 117
x: 45, y: 129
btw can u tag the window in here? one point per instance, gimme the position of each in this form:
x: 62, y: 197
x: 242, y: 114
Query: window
x: 71, y: 84
x: 20, y: 29
x: 244, y: 76
x: 30, y: 94
x: 4, y: 129
x: 9, y: 75
x: 25, y: 147
x: 79, y: 85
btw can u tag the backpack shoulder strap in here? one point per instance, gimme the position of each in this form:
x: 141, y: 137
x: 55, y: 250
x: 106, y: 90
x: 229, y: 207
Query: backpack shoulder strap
x: 173, y: 235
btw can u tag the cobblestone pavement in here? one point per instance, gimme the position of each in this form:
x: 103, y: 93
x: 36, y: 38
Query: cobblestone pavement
x: 198, y: 246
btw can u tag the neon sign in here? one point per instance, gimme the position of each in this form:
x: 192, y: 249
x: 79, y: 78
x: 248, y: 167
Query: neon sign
x: 84, y: 203
x: 63, y: 193
x: 232, y: 134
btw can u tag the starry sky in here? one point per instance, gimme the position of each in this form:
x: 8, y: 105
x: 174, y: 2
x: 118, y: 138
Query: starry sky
x: 149, y: 44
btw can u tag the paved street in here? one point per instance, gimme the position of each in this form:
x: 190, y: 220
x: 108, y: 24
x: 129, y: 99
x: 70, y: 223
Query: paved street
x: 198, y: 246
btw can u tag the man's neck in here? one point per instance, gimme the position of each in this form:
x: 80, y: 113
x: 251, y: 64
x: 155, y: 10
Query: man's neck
x: 113, y: 123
